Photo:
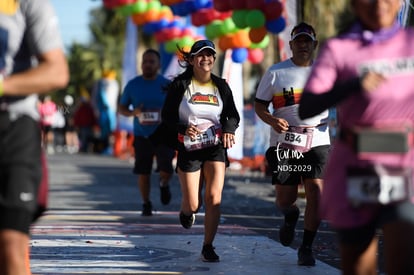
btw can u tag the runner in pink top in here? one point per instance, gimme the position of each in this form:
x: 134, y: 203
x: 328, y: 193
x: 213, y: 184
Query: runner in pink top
x: 368, y: 72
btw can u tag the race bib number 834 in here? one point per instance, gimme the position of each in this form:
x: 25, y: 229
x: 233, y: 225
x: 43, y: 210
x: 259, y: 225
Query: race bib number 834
x: 297, y: 138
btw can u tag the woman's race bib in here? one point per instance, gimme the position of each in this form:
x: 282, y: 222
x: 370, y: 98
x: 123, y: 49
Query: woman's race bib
x: 378, y: 184
x: 210, y: 137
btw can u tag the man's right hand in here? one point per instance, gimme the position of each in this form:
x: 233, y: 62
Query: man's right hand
x: 280, y: 125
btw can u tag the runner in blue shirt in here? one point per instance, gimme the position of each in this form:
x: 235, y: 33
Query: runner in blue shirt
x: 143, y: 98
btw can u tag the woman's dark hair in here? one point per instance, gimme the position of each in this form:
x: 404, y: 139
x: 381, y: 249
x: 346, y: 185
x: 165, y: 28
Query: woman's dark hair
x: 184, y: 58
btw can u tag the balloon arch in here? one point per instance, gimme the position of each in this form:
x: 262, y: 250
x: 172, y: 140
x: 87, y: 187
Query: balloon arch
x: 244, y: 26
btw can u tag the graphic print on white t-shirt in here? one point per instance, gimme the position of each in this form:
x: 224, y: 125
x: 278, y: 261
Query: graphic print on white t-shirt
x: 201, y: 105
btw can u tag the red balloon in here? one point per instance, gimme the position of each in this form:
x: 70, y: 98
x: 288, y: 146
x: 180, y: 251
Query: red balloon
x: 272, y: 10
x: 255, y: 4
x: 160, y: 37
x: 169, y: 2
x: 169, y: 33
x: 256, y: 35
x: 196, y: 20
x: 238, y: 4
x: 187, y: 32
x: 202, y: 17
x: 223, y: 15
x: 255, y: 56
x: 222, y: 5
x: 111, y: 4
x: 174, y: 32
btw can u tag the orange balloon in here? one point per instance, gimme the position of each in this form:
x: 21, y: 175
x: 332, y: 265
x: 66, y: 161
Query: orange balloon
x: 138, y: 19
x: 241, y: 39
x: 152, y: 15
x: 166, y: 14
x: 225, y: 42
x: 256, y: 35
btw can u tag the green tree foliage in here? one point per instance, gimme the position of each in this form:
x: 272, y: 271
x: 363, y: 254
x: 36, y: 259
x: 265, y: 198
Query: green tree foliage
x: 103, y: 52
x: 324, y: 16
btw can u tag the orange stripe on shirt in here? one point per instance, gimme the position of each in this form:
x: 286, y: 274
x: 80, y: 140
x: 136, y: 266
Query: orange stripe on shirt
x: 280, y: 101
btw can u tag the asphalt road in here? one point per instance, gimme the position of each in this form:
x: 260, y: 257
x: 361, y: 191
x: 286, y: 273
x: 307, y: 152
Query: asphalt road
x: 101, y: 183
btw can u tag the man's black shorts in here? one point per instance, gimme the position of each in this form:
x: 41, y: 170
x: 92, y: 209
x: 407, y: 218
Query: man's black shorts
x: 290, y: 167
x: 145, y: 151
x: 20, y: 171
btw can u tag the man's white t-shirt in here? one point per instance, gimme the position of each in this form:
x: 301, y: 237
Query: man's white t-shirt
x: 282, y: 84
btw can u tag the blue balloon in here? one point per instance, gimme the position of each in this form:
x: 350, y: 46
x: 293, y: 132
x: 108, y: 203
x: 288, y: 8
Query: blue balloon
x: 176, y: 23
x: 148, y: 28
x: 239, y: 55
x: 152, y: 27
x: 183, y: 8
x: 179, y: 9
x: 203, y: 4
x: 277, y: 25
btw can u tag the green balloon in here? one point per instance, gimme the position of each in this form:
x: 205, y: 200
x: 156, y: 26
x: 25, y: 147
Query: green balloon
x: 185, y: 41
x: 255, y: 19
x: 171, y: 45
x: 239, y: 18
x: 124, y: 10
x: 228, y: 26
x: 140, y: 6
x: 154, y: 5
x: 214, y: 29
x: 262, y: 44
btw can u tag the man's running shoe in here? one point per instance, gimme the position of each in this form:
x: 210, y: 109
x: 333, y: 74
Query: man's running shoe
x: 208, y: 254
x: 305, y: 256
x: 187, y: 221
x: 147, y: 209
x: 165, y: 194
x: 287, y: 230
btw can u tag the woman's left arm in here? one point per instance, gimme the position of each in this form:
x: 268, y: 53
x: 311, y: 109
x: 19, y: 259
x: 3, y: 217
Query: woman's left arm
x: 230, y: 117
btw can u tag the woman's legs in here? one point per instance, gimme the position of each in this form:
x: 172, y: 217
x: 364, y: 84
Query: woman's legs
x: 214, y: 173
x: 190, y: 182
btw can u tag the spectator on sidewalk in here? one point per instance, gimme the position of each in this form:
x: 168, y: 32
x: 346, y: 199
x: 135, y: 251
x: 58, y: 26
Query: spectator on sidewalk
x: 105, y: 102
x: 143, y: 98
x: 84, y: 121
x: 32, y: 62
x: 58, y: 129
x: 47, y: 110
x: 71, y: 136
